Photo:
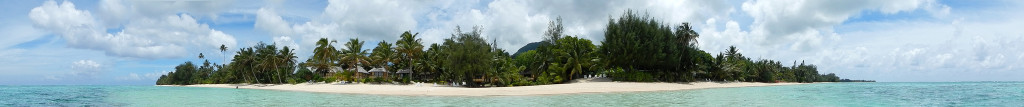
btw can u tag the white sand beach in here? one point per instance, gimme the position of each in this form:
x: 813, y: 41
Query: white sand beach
x: 429, y: 89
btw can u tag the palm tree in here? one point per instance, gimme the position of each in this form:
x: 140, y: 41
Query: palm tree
x: 287, y: 57
x: 687, y: 35
x: 324, y: 56
x: 732, y: 51
x: 268, y: 60
x: 382, y: 55
x: 244, y: 59
x: 577, y: 52
x: 355, y: 53
x: 222, y: 49
x: 409, y: 48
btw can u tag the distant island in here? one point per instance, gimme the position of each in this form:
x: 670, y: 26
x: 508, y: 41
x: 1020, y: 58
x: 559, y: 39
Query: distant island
x: 637, y: 48
x: 848, y: 80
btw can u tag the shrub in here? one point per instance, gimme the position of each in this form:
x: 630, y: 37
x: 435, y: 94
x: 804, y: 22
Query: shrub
x: 619, y: 74
x: 293, y: 81
x: 330, y: 79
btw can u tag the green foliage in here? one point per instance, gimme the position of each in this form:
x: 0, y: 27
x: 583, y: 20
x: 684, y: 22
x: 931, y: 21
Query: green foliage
x: 526, y: 58
x: 619, y: 74
x: 409, y: 48
x: 330, y: 79
x: 324, y: 56
x: 304, y: 74
x: 354, y: 56
x: 645, y: 45
x: 183, y: 75
x: 577, y: 55
x: 431, y: 64
x: 649, y: 50
x: 468, y: 56
x: 383, y: 55
x: 347, y: 76
x: 263, y: 63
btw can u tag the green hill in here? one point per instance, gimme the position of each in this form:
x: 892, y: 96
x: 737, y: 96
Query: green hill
x: 527, y: 47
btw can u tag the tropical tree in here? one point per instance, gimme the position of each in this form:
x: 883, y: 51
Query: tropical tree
x: 244, y: 61
x: 382, y: 55
x: 184, y: 73
x: 324, y: 56
x: 222, y: 49
x: 287, y: 62
x: 354, y: 54
x: 575, y: 54
x: 469, y: 56
x: 547, y: 54
x: 644, y: 45
x: 432, y: 61
x: 409, y: 48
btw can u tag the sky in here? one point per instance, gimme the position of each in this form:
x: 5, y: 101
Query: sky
x: 133, y: 42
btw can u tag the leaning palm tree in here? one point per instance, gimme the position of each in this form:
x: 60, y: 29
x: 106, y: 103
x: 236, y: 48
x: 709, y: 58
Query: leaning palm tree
x: 244, y: 59
x: 288, y: 58
x: 268, y: 61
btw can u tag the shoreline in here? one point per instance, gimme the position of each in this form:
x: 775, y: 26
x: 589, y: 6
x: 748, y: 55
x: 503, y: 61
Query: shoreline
x: 424, y: 89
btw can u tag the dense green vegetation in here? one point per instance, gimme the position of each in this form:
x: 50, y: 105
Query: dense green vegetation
x: 636, y: 48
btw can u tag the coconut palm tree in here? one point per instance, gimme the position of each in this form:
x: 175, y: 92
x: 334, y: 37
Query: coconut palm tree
x: 222, y: 49
x: 686, y: 35
x: 382, y: 55
x: 577, y: 54
x: 355, y: 54
x: 732, y: 52
x: 409, y: 47
x: 324, y: 56
x: 268, y: 60
x: 287, y: 59
x: 244, y: 60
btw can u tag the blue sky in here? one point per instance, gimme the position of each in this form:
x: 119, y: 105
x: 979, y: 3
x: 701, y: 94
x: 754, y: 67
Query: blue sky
x: 132, y: 42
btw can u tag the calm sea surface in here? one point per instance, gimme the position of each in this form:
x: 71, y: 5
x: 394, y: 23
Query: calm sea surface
x: 984, y: 94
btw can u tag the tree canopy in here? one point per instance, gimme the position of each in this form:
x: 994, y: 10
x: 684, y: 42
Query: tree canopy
x: 636, y: 47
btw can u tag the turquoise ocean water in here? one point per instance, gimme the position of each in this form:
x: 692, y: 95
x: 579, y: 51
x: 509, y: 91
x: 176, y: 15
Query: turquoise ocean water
x: 985, y: 94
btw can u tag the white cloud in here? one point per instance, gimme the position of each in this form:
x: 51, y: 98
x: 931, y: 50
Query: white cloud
x: 371, y: 20
x: 805, y: 25
x: 149, y: 38
x: 269, y: 21
x: 131, y: 76
x: 962, y: 49
x: 18, y: 32
x: 86, y: 69
x: 116, y: 11
x: 512, y: 23
x: 516, y: 23
x: 155, y: 75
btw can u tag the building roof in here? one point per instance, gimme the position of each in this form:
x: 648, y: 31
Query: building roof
x: 336, y: 69
x: 404, y: 71
x: 378, y: 70
x: 361, y: 70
